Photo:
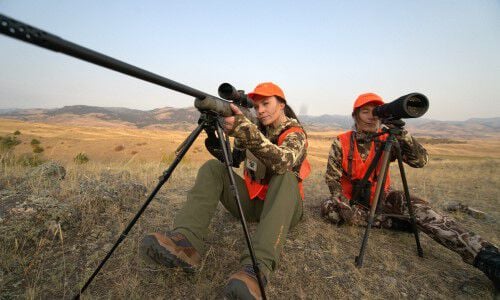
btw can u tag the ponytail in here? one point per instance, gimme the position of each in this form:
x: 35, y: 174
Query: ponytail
x: 288, y: 110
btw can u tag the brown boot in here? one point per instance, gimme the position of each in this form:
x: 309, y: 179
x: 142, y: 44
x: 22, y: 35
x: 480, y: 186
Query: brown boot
x: 171, y: 250
x: 244, y: 285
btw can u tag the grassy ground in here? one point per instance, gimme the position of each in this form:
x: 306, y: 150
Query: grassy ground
x: 53, y: 233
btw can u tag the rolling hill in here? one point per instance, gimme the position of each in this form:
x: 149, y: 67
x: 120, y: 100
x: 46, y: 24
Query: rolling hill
x: 186, y: 118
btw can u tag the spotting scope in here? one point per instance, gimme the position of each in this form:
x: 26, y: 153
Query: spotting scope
x: 413, y: 105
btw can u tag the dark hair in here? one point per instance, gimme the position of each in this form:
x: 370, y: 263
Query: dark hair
x: 288, y: 110
x: 355, y: 113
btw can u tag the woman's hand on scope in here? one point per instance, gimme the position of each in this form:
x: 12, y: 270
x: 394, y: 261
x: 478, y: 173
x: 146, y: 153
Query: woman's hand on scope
x: 229, y: 121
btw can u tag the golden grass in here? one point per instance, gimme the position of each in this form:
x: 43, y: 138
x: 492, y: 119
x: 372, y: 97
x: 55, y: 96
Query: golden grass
x: 102, y: 144
x: 41, y: 259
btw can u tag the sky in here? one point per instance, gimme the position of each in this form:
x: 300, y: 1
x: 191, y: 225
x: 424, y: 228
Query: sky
x: 323, y: 54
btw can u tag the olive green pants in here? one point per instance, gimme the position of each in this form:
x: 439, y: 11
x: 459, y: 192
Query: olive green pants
x: 281, y: 210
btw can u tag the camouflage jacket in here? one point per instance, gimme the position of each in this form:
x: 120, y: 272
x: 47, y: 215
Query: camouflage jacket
x: 414, y: 154
x: 278, y: 159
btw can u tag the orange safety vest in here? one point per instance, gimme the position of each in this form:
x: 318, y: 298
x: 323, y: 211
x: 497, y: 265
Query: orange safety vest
x: 358, y: 166
x: 256, y: 189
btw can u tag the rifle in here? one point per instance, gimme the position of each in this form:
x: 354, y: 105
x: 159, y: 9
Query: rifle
x: 203, y: 102
x: 211, y: 108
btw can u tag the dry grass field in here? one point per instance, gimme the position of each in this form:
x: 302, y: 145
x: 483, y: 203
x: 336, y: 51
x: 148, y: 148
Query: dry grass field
x: 54, y: 232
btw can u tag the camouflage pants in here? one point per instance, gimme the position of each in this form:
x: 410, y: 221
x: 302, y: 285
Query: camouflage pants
x: 441, y: 228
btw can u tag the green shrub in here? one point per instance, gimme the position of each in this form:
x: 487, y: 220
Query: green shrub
x: 30, y: 160
x: 35, y: 142
x: 17, y: 132
x: 8, y: 142
x: 81, y: 158
x: 37, y: 149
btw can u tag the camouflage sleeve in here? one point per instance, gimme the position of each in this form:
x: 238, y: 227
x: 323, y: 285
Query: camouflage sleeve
x: 414, y: 154
x: 334, y: 171
x: 237, y: 144
x: 278, y: 159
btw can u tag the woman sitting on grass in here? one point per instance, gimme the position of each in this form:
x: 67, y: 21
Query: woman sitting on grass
x: 271, y: 197
x: 350, y: 155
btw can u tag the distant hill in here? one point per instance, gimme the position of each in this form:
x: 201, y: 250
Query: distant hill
x: 186, y: 118
x: 7, y: 110
x: 108, y: 116
x: 475, y: 127
x: 327, y: 121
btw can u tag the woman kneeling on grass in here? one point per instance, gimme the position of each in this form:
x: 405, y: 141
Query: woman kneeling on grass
x: 350, y: 155
x: 274, y: 201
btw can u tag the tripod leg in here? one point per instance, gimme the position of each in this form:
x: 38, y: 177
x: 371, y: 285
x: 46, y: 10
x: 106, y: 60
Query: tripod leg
x: 226, y: 150
x: 413, y: 220
x: 166, y: 175
x: 385, y: 160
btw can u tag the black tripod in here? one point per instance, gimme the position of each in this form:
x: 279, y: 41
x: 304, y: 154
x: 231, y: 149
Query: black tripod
x: 209, y: 122
x: 382, y: 157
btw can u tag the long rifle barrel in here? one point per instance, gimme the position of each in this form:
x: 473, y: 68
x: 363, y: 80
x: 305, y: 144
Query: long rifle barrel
x: 32, y: 35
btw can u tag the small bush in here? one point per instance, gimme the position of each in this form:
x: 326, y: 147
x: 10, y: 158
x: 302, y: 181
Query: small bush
x: 35, y: 142
x: 30, y: 160
x: 37, y: 149
x: 81, y: 158
x: 17, y: 132
x: 119, y: 148
x: 8, y: 142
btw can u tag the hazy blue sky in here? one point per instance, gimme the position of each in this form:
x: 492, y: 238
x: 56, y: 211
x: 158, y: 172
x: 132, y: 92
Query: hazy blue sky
x: 322, y: 53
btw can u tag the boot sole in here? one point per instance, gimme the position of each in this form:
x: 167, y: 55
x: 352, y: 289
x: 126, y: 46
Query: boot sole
x: 152, y: 252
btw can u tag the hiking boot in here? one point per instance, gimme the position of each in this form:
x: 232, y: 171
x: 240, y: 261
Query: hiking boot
x: 244, y: 285
x: 488, y: 261
x: 172, y: 249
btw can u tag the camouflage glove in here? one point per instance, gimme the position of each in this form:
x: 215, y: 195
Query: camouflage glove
x: 329, y: 211
x: 336, y: 211
x: 403, y: 132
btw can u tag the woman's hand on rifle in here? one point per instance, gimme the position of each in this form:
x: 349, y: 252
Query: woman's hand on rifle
x: 229, y: 121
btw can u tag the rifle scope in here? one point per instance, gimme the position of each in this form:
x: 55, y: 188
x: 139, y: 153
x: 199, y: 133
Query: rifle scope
x: 413, y: 105
x: 229, y: 92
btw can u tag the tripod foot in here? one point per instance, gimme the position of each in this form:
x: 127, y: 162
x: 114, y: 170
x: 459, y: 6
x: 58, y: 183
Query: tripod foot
x: 358, y: 262
x: 420, y: 252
